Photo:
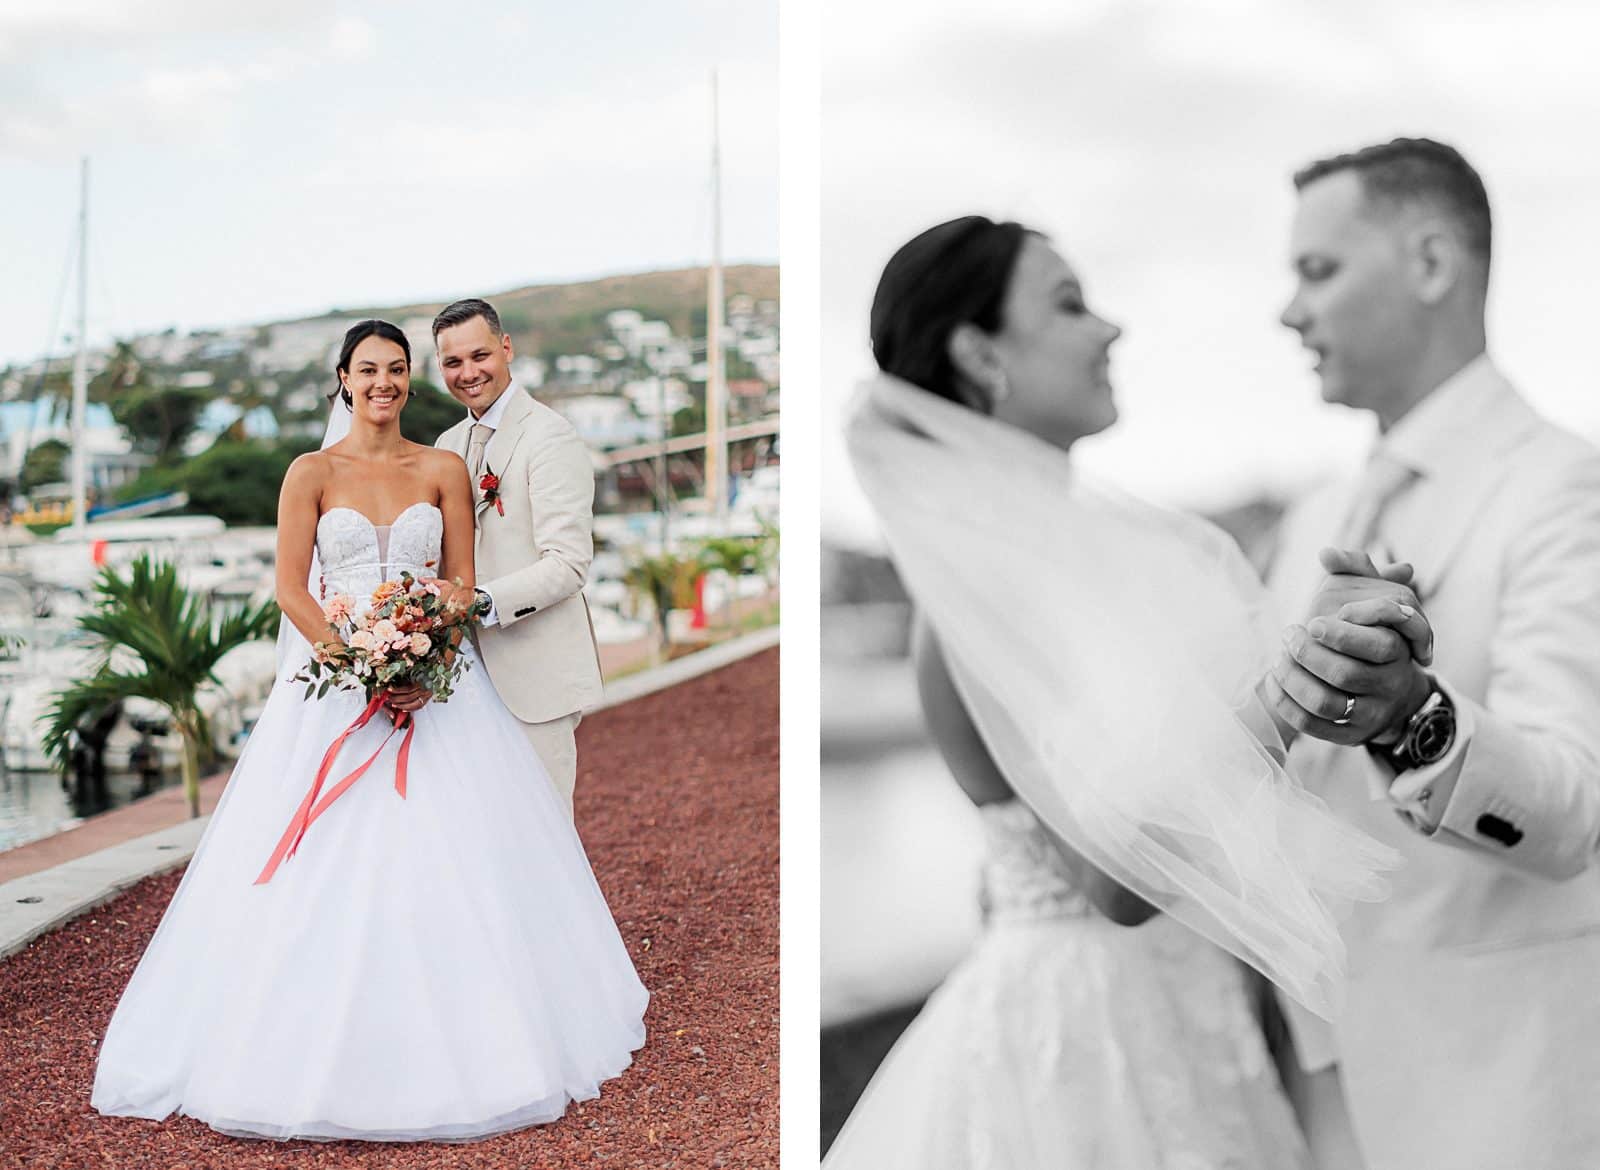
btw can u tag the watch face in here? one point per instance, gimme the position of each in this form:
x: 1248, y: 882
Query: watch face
x: 1433, y: 735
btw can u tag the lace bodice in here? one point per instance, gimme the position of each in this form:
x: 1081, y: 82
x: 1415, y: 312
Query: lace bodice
x: 1025, y: 877
x: 356, y: 557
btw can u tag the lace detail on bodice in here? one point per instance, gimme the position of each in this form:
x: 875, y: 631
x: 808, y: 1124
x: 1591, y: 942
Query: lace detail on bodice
x: 1025, y: 877
x: 356, y: 558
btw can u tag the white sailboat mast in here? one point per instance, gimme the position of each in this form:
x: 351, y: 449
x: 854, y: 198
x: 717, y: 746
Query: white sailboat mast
x: 80, y: 370
x: 716, y: 380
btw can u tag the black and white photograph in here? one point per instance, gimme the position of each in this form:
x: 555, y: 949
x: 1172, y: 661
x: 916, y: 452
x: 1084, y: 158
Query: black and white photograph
x: 1210, y: 664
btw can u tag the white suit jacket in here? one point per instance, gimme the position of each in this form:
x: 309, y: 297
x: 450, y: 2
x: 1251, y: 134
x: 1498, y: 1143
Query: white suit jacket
x: 534, y: 559
x: 1471, y: 1035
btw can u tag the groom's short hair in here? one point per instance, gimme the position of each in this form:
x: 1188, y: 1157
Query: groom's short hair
x: 460, y: 312
x: 1417, y: 170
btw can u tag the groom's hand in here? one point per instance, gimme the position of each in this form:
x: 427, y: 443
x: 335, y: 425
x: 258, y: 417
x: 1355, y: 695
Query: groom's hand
x: 1352, y: 673
x: 1326, y: 682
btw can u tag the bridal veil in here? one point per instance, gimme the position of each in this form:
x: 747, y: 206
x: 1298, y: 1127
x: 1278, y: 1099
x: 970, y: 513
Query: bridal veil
x: 1108, y: 651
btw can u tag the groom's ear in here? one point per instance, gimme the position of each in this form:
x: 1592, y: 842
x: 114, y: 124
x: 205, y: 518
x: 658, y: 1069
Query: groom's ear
x: 1436, y: 260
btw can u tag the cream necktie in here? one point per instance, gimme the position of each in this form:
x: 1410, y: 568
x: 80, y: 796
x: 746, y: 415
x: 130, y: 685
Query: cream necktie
x: 1383, y: 480
x: 475, y: 448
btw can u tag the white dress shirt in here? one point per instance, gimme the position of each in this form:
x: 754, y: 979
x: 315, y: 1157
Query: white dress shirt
x: 491, y: 419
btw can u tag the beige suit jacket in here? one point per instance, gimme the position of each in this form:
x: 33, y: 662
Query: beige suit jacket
x: 1471, y: 1035
x: 534, y: 559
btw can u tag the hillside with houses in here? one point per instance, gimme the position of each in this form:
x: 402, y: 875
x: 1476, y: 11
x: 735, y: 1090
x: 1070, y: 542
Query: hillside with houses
x: 218, y: 413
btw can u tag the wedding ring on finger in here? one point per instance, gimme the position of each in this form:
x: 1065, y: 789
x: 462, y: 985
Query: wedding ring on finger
x: 1349, y: 710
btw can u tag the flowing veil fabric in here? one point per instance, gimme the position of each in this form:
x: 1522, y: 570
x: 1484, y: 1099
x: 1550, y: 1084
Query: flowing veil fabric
x: 293, y: 650
x: 1108, y: 651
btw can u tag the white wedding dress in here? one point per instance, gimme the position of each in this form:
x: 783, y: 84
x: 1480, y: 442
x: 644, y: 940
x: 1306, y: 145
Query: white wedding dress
x: 439, y: 967
x: 1067, y: 1042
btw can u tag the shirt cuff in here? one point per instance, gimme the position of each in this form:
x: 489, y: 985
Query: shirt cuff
x: 1421, y: 795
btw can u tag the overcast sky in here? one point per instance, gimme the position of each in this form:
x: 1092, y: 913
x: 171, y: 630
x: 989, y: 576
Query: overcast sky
x: 259, y: 159
x: 1154, y: 140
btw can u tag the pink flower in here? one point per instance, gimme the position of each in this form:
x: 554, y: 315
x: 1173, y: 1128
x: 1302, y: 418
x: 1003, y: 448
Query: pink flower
x: 363, y: 640
x: 384, y: 630
x: 420, y: 644
x: 338, y: 607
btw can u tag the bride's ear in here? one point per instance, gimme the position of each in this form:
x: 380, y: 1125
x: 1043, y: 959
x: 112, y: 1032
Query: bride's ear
x: 977, y: 365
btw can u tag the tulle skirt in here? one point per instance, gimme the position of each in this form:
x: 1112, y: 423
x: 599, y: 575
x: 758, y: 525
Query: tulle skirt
x: 1077, y: 1044
x: 440, y: 967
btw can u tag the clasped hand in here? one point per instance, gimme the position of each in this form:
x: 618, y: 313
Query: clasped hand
x: 1353, y: 673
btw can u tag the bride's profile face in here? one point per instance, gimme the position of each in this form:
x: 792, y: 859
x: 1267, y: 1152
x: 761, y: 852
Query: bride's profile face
x: 1054, y: 352
x: 379, y: 379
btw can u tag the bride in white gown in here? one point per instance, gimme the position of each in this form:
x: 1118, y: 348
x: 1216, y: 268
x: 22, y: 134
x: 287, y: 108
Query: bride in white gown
x: 1087, y: 666
x: 438, y: 966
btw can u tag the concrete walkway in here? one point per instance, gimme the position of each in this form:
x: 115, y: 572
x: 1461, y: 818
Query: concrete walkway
x: 46, y: 883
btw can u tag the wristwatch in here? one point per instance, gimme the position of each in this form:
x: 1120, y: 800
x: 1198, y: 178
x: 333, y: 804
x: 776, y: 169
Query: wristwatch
x: 1427, y: 736
x: 482, y: 602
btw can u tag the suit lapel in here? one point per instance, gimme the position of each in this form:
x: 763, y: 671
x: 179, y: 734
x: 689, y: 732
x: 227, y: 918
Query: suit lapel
x: 502, y: 445
x: 506, y: 437
x: 1448, y: 501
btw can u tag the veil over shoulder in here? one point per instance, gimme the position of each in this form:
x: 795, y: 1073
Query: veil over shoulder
x: 293, y: 650
x: 1108, y: 651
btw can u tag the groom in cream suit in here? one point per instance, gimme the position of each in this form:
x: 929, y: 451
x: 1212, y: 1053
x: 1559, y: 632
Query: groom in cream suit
x: 1471, y: 1035
x: 534, y: 484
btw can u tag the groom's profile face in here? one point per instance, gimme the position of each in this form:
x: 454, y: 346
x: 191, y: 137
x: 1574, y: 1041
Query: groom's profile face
x: 475, y: 363
x: 1352, y: 305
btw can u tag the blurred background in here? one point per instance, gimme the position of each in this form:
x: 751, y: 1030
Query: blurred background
x: 1154, y: 141
x: 200, y: 199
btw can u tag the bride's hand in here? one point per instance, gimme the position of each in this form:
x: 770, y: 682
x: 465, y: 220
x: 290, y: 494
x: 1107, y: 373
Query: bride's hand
x: 1353, y: 579
x: 451, y: 592
x: 408, y: 699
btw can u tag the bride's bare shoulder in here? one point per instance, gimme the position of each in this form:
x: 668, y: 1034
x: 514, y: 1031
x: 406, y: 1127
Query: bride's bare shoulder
x: 442, y: 457
x: 310, y: 470
x: 445, y: 463
x: 447, y: 469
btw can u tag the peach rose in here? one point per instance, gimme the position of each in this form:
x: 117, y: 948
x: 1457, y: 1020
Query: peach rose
x: 363, y: 640
x: 338, y: 607
x: 420, y: 644
x: 384, y: 630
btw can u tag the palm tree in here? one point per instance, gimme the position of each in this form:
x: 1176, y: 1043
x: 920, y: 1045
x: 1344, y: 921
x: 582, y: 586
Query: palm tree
x: 669, y: 581
x: 734, y: 556
x: 178, y: 642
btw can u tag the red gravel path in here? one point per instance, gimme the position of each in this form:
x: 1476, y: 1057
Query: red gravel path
x: 678, y: 807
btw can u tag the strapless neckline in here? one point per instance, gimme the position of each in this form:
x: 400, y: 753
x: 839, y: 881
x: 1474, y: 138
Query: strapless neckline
x: 403, y: 512
x: 356, y: 555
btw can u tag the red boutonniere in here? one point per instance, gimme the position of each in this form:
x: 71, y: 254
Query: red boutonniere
x: 490, y: 486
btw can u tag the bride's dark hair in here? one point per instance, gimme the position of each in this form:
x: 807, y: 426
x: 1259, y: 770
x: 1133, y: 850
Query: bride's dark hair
x: 949, y: 275
x: 358, y: 333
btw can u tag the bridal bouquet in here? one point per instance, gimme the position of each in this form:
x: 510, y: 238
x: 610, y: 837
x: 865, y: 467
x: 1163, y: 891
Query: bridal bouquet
x: 407, y: 637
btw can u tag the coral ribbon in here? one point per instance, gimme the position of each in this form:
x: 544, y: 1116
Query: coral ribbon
x: 311, y: 808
